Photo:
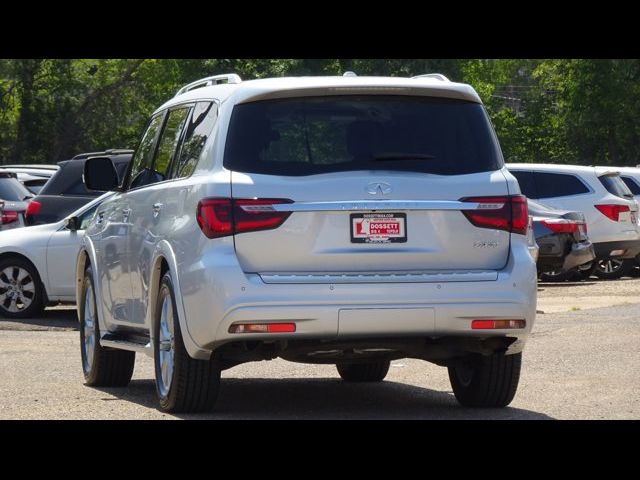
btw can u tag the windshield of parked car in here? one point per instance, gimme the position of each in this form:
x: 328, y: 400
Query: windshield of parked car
x: 313, y: 135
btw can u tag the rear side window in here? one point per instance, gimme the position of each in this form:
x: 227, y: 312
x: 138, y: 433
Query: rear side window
x: 615, y: 186
x: 313, y: 135
x: 549, y: 185
x: 169, y: 140
x: 12, y: 190
x: 198, y: 130
x: 633, y: 185
x: 527, y: 183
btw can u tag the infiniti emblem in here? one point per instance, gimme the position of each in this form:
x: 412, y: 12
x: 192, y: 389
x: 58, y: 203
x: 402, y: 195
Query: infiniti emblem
x: 378, y: 188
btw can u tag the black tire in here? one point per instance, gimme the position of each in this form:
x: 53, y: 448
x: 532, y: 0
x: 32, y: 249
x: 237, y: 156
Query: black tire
x: 586, y: 273
x: 364, y: 372
x: 486, y: 381
x: 12, y: 293
x: 102, y: 367
x: 194, y: 384
x: 559, y: 277
x: 611, y: 269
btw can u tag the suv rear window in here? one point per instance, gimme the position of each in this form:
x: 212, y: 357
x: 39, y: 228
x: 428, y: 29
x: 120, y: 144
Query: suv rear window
x: 615, y: 186
x: 313, y: 135
x: 632, y: 184
x: 12, y: 190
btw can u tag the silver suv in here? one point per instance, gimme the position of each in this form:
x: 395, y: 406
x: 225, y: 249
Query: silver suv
x: 338, y: 220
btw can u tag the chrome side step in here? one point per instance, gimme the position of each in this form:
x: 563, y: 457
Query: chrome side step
x: 131, y: 343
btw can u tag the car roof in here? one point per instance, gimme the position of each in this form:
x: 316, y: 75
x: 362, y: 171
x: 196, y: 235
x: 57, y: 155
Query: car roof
x: 31, y: 167
x: 269, y: 88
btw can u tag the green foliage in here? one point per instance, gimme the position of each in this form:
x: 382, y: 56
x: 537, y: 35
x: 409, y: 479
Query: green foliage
x: 564, y: 111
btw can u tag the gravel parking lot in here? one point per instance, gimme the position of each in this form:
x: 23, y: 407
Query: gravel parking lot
x: 581, y: 363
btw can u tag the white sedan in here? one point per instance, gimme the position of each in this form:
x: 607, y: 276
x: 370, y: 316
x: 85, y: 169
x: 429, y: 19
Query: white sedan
x: 37, y: 264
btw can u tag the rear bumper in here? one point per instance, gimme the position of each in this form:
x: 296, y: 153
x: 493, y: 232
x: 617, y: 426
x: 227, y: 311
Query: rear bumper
x: 604, y: 249
x: 580, y: 254
x: 558, y: 254
x: 327, y: 311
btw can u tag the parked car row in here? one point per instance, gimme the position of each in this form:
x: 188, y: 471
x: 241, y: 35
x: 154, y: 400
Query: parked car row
x: 609, y: 208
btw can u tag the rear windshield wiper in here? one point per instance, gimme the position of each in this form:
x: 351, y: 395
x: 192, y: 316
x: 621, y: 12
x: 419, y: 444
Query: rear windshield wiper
x: 385, y: 156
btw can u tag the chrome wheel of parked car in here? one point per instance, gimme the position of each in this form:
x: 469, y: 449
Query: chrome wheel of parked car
x: 17, y: 289
x: 166, y: 347
x: 183, y: 384
x: 612, y: 268
x: 20, y: 289
x: 102, y: 367
x: 89, y: 330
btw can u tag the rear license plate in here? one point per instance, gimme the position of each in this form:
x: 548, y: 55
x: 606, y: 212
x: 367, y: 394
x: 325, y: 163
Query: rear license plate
x: 378, y: 227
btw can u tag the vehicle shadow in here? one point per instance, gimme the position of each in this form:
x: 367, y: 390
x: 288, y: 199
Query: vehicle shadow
x: 326, y: 399
x: 58, y: 318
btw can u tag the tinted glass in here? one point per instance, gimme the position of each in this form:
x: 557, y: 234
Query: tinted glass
x: 12, y: 190
x: 550, y: 185
x: 141, y: 162
x: 304, y: 136
x: 198, y: 131
x: 632, y: 184
x: 86, y: 217
x: 615, y: 186
x: 527, y: 183
x: 169, y: 140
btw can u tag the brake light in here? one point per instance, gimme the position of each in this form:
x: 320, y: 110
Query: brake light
x: 9, y: 217
x: 508, y: 213
x: 33, y: 208
x: 561, y: 225
x: 220, y: 217
x: 613, y: 211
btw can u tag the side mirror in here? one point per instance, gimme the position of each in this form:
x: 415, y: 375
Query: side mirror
x: 73, y: 224
x: 100, y: 174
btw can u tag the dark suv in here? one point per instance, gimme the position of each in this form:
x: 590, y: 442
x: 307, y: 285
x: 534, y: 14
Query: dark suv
x: 66, y: 192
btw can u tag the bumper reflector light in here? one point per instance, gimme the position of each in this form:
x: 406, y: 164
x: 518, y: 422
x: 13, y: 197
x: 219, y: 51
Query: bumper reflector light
x: 262, y: 328
x: 497, y: 324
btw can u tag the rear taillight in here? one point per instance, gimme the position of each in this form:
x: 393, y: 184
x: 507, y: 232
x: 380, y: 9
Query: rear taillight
x: 613, y: 211
x: 561, y: 225
x: 508, y: 213
x: 9, y: 217
x: 497, y: 324
x: 262, y: 328
x: 219, y: 217
x: 33, y: 208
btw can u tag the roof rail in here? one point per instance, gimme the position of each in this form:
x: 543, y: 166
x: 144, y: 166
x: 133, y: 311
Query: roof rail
x: 207, y: 81
x: 111, y: 151
x: 437, y: 76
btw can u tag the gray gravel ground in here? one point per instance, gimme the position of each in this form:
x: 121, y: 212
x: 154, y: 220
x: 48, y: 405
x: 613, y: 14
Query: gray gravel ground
x: 581, y: 363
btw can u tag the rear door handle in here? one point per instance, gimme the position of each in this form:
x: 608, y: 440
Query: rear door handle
x: 156, y: 209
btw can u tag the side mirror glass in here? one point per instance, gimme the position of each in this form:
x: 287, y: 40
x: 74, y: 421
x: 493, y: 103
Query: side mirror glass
x: 100, y: 174
x: 73, y: 223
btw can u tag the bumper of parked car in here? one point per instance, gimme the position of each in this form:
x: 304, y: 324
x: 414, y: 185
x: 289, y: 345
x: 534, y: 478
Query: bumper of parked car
x: 631, y: 248
x: 333, y: 311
